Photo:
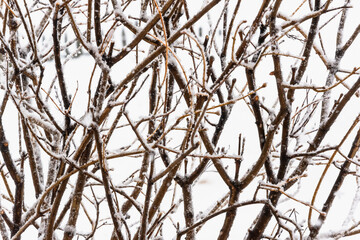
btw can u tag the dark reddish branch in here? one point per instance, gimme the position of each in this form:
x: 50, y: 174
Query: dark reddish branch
x: 32, y: 161
x: 88, y: 23
x: 5, y: 152
x: 97, y: 22
x: 277, y: 62
x: 254, y: 98
x: 17, y: 209
x: 225, y: 110
x: 6, y: 219
x: 264, y: 218
x: 15, y: 174
x: 284, y: 158
x: 183, y: 182
x: 276, y: 58
x: 56, y: 34
x: 225, y: 33
x: 188, y: 210
x: 62, y: 214
x: 255, y: 104
x: 231, y: 214
x: 247, y: 179
x: 153, y: 95
x: 101, y: 91
x: 145, y: 213
x: 170, y: 95
x: 261, y: 223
